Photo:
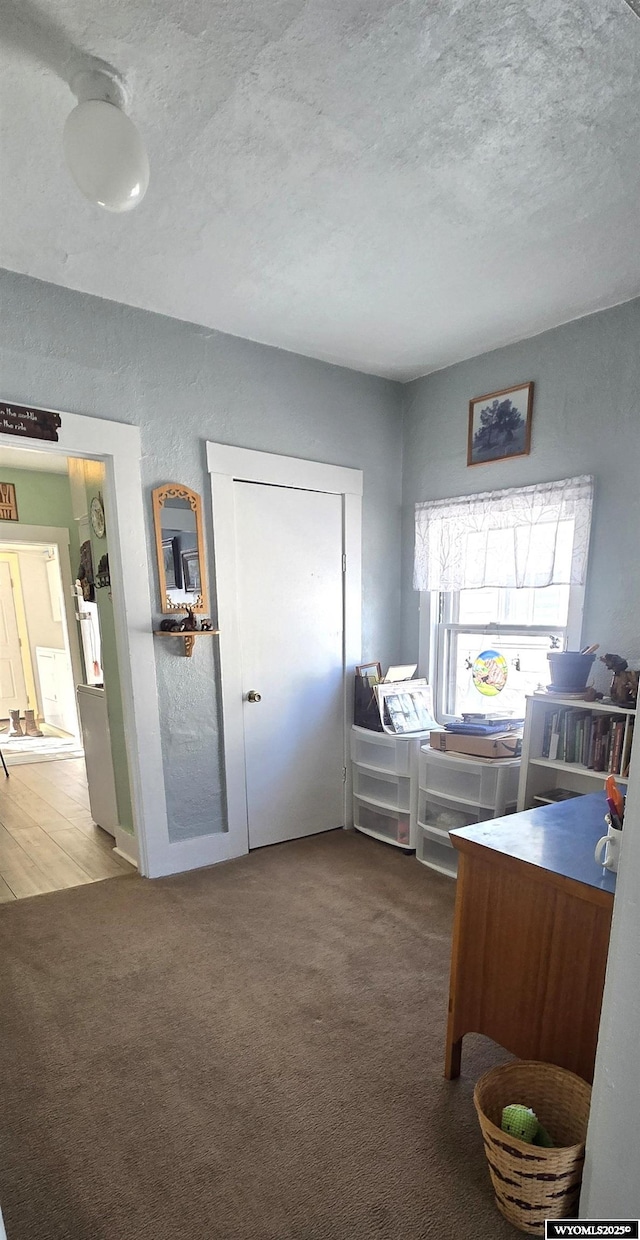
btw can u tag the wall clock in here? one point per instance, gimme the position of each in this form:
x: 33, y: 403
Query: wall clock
x: 96, y: 513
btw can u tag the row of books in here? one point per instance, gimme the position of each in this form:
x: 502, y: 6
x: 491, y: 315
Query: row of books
x: 601, y: 742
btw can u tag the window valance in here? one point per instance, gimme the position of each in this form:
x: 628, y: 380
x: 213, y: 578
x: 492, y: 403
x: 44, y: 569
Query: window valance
x: 521, y: 537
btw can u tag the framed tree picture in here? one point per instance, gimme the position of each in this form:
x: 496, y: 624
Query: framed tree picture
x: 500, y: 425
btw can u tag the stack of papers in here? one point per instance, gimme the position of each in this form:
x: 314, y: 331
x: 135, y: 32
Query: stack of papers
x: 405, y: 706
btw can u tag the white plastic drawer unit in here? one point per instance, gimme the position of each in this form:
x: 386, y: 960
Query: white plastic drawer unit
x: 385, y: 823
x: 380, y: 751
x: 390, y: 791
x: 470, y: 781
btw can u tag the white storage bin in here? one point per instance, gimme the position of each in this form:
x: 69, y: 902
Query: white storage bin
x: 437, y: 854
x: 379, y: 750
x: 474, y: 781
x: 386, y: 823
x: 392, y: 791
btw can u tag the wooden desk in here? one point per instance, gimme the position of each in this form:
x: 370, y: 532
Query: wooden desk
x: 531, y: 934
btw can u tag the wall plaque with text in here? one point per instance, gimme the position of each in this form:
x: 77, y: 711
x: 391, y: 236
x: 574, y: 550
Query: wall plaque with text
x: 8, y: 505
x: 29, y: 423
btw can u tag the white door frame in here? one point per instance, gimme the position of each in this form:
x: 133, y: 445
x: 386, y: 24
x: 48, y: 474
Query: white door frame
x: 227, y: 465
x: 118, y: 446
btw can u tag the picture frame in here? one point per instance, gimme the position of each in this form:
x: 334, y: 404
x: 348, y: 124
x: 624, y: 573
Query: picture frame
x: 500, y: 424
x: 371, y: 672
x: 8, y: 504
x: 172, y: 565
x: 191, y: 571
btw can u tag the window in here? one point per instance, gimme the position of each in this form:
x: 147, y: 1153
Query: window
x: 517, y: 626
x: 501, y: 579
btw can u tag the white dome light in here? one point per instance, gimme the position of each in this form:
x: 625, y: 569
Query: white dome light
x: 105, y: 154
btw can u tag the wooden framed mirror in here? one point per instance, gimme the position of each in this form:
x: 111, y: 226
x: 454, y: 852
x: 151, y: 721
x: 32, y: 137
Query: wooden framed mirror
x: 177, y: 517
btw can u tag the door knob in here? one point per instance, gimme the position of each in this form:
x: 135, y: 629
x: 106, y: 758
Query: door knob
x: 252, y: 696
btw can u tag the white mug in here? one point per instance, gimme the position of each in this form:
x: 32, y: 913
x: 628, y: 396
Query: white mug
x: 611, y: 845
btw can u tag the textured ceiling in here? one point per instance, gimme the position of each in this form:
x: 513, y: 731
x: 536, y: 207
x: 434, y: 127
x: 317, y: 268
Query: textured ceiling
x: 390, y: 186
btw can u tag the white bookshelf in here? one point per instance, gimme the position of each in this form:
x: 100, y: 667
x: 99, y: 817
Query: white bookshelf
x: 539, y: 774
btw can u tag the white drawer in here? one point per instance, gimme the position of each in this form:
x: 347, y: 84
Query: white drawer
x: 439, y: 856
x: 434, y: 811
x: 391, y: 791
x: 377, y: 749
x: 474, y: 781
x: 389, y: 824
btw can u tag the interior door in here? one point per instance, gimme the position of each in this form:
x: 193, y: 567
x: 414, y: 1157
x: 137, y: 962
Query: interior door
x: 56, y: 689
x: 289, y: 555
x: 13, y: 689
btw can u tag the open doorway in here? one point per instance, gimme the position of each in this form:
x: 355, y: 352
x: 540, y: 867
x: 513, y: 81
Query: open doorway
x: 38, y: 712
x: 67, y: 792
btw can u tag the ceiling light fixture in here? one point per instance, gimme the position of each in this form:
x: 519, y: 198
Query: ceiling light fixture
x: 103, y: 149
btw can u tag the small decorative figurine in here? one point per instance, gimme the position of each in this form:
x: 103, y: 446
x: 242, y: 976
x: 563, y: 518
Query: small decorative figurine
x: 189, y: 624
x: 206, y: 625
x: 170, y: 625
x: 624, y: 683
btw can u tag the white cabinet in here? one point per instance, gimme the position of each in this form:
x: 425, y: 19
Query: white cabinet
x: 456, y: 791
x: 96, y: 739
x: 552, y: 760
x: 385, y: 785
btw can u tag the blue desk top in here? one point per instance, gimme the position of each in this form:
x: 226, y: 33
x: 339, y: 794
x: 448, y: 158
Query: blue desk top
x: 561, y: 838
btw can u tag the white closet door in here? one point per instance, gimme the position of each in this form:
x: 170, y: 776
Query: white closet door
x: 289, y: 546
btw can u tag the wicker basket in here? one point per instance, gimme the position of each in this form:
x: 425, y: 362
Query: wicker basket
x: 532, y: 1183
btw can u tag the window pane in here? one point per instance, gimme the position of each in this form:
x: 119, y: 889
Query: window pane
x: 549, y: 605
x: 525, y: 656
x: 479, y: 606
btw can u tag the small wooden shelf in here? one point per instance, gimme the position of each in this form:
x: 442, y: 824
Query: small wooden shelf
x: 188, y: 637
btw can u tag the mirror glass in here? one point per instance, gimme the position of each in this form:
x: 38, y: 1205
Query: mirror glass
x: 180, y: 550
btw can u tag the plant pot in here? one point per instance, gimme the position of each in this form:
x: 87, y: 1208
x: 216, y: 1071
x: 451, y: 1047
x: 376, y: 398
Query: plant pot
x: 569, y: 669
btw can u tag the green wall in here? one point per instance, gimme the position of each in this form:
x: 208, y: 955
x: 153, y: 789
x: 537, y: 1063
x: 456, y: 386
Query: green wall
x: 43, y: 499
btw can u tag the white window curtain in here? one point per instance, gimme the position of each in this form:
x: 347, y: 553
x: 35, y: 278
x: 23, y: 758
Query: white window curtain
x: 522, y: 537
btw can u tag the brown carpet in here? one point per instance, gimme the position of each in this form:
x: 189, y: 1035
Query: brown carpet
x: 249, y: 1052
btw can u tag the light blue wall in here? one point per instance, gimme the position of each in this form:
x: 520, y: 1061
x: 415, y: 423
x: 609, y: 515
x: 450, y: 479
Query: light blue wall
x: 586, y: 420
x: 182, y: 385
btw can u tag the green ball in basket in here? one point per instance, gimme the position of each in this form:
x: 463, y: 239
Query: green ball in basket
x: 523, y: 1123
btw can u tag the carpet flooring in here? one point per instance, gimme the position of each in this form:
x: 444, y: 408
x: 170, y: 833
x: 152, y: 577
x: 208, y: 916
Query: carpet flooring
x: 248, y: 1052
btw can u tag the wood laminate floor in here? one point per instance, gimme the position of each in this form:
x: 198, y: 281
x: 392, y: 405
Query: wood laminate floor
x: 48, y: 839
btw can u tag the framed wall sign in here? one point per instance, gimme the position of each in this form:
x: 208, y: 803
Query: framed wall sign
x: 8, y: 505
x: 29, y: 423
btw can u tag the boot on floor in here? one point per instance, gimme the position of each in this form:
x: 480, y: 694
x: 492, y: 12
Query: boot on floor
x: 15, y: 727
x: 30, y: 726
